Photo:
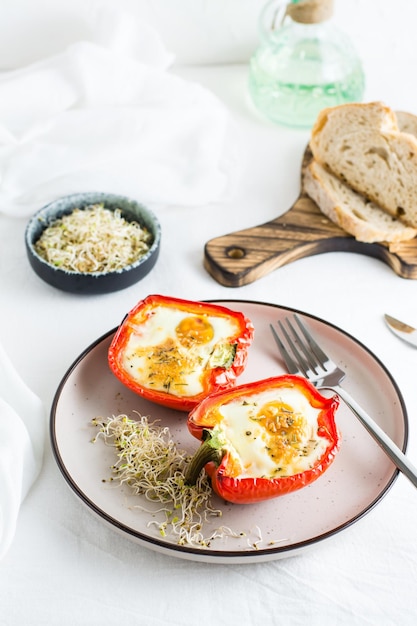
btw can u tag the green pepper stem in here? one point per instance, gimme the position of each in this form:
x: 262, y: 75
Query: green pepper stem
x: 204, y: 455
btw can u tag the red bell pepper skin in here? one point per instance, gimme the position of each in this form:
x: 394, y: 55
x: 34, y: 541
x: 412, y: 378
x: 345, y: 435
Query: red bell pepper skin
x: 164, y: 380
x: 221, y: 467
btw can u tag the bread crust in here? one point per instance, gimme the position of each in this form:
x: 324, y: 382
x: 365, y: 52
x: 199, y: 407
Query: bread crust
x: 363, y: 145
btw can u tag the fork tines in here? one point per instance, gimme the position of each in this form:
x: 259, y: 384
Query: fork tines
x: 299, y: 357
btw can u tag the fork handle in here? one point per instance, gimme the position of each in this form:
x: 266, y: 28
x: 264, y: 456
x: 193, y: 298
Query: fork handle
x: 392, y: 450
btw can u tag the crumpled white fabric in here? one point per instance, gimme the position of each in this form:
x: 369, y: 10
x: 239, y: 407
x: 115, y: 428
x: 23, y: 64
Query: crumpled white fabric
x: 107, y: 115
x: 22, y: 431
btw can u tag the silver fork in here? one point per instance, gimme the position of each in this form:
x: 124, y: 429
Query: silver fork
x: 303, y: 356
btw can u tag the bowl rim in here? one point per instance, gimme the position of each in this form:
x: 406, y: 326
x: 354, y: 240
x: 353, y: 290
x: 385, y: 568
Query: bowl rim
x: 89, y: 199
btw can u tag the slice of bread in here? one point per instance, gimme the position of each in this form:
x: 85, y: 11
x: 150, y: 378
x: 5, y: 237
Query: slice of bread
x: 363, y: 146
x: 351, y: 211
x: 407, y: 122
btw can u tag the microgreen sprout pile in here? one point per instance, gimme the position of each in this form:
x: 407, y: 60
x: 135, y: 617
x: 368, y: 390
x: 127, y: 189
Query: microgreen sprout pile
x: 151, y: 464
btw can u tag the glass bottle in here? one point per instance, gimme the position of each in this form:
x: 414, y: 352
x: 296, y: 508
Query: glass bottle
x: 302, y: 65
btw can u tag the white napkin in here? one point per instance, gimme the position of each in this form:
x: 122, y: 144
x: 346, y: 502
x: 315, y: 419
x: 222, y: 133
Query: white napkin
x: 22, y: 430
x: 106, y: 115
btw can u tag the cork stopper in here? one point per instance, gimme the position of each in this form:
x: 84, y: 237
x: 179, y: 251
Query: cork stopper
x: 310, y: 11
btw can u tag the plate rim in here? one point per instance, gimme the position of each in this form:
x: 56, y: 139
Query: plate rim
x: 210, y: 554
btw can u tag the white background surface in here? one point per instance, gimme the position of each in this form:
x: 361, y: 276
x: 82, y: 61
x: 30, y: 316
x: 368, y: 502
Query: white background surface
x: 65, y: 566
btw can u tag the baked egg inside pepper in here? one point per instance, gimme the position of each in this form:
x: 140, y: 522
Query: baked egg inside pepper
x: 175, y: 352
x: 170, y: 352
x: 264, y: 439
x: 269, y: 436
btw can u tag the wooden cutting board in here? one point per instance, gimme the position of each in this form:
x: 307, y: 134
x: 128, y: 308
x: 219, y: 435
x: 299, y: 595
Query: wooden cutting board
x: 242, y: 257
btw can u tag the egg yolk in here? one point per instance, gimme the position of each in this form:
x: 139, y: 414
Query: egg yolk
x: 285, y: 429
x: 194, y: 329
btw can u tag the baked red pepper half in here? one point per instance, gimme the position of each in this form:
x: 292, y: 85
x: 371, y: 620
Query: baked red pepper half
x: 175, y: 352
x: 264, y: 439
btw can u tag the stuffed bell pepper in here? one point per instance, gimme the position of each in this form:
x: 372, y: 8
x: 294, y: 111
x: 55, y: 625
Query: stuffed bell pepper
x: 175, y: 352
x: 264, y: 439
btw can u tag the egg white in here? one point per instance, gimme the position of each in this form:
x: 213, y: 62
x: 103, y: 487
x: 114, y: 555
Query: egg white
x: 251, y: 449
x: 161, y: 326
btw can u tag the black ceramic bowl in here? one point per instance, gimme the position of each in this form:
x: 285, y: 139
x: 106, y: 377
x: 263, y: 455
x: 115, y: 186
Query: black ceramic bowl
x: 92, y: 282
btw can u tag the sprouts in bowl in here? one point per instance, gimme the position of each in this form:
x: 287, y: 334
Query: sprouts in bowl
x: 93, y: 243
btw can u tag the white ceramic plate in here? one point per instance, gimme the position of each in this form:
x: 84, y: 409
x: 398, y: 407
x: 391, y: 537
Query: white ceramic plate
x: 356, y: 481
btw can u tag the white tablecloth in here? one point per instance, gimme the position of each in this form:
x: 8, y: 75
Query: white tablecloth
x: 65, y: 566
